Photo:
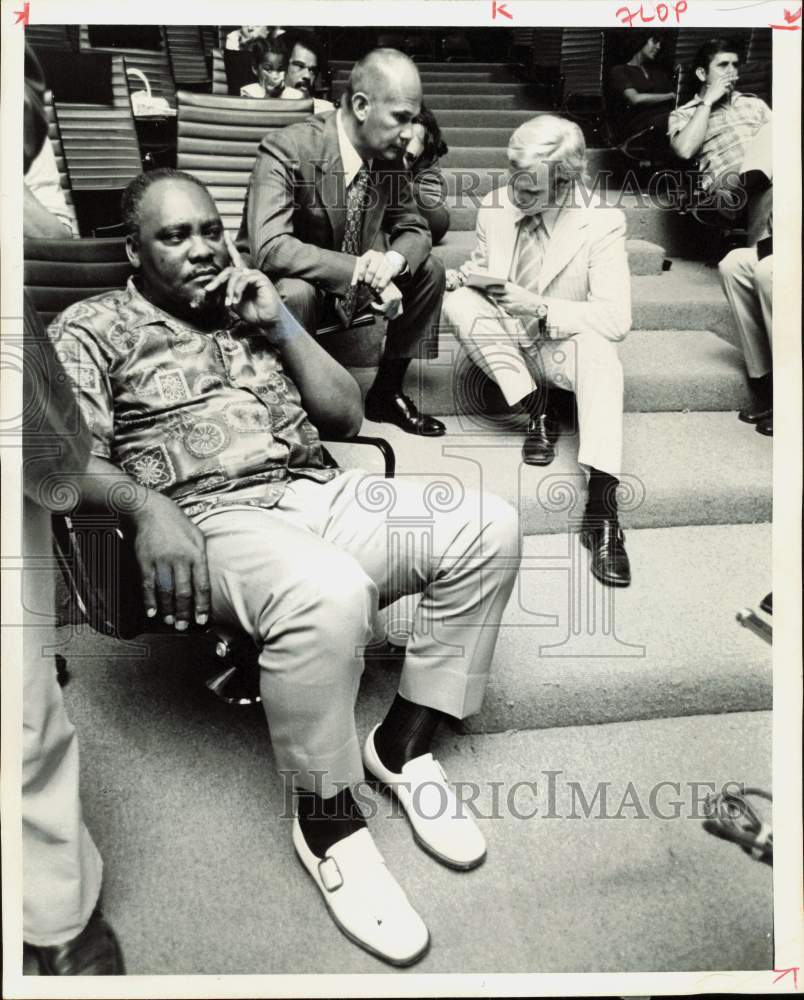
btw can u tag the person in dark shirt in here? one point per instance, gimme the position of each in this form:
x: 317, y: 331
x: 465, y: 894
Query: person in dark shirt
x: 421, y: 157
x: 642, y: 91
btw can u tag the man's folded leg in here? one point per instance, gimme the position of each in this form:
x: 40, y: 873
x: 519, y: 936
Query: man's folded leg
x: 412, y: 335
x: 310, y: 608
x: 460, y: 550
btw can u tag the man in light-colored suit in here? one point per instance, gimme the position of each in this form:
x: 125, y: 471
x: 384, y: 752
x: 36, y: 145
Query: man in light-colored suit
x: 562, y: 303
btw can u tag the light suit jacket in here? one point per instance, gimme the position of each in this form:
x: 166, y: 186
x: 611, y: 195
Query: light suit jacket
x: 584, y: 280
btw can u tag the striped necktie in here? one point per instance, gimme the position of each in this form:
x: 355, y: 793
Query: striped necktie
x: 532, y: 243
x: 353, y: 233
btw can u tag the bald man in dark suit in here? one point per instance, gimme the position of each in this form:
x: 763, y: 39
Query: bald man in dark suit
x: 331, y: 218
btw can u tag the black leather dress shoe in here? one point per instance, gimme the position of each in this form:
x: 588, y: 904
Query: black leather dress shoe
x: 604, y: 538
x: 755, y: 413
x: 93, y: 952
x: 401, y: 410
x: 765, y: 425
x: 538, y: 448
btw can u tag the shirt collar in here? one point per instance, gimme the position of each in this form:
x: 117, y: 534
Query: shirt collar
x: 145, y: 313
x: 548, y: 217
x: 351, y: 159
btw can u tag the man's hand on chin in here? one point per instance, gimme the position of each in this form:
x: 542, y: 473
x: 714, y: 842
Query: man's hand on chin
x: 248, y: 292
x: 171, y: 552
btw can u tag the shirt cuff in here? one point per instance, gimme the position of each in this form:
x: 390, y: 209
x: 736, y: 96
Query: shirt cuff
x: 395, y: 258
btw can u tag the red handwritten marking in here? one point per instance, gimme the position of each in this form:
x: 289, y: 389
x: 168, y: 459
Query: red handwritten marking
x: 500, y: 8
x: 790, y: 16
x: 783, y: 972
x: 23, y: 15
x: 663, y: 12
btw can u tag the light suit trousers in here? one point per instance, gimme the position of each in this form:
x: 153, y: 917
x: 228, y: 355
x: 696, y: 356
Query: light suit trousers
x: 748, y: 285
x: 587, y: 363
x: 61, y: 867
x: 305, y: 580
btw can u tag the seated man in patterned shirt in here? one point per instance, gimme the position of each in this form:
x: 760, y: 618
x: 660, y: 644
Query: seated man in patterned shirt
x: 715, y: 128
x: 204, y: 395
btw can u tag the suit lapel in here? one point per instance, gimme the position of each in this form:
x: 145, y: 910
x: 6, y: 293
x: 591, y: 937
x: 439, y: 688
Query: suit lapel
x: 330, y: 182
x: 502, y: 243
x: 563, y: 245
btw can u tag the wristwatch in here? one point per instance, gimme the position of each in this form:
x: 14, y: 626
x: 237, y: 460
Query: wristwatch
x: 541, y: 316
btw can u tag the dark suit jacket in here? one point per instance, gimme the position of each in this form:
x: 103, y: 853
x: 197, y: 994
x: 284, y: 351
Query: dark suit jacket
x: 296, y: 208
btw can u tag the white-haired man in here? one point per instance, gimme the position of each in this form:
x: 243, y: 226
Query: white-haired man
x: 563, y: 302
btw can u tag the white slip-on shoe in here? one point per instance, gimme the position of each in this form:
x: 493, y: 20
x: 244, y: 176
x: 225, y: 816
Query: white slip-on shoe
x: 365, y: 900
x: 441, y: 825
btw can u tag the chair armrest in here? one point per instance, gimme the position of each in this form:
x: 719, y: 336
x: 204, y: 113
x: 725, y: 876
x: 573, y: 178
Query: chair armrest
x: 383, y: 446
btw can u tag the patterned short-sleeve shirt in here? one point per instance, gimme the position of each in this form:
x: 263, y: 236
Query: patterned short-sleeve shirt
x: 731, y: 125
x: 206, y: 418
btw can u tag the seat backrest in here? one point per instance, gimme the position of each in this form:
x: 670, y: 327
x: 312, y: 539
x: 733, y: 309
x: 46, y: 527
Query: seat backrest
x: 185, y: 48
x: 100, y: 142
x: 154, y: 63
x: 58, y: 273
x: 49, y: 36
x: 218, y: 138
x: 54, y: 137
x: 756, y: 77
x: 220, y: 84
x: 582, y: 61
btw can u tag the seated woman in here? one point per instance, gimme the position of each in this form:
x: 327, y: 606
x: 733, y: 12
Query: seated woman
x: 421, y: 159
x: 642, y: 91
x: 269, y: 63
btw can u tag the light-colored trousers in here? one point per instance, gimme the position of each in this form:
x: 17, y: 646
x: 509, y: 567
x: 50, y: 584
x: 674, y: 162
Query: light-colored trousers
x: 748, y: 285
x: 61, y: 867
x: 305, y: 580
x: 587, y: 363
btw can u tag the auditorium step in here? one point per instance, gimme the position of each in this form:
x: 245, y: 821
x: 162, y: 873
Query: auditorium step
x: 339, y: 65
x: 574, y: 653
x: 560, y: 889
x: 505, y: 102
x: 484, y: 118
x: 665, y: 371
x: 680, y: 468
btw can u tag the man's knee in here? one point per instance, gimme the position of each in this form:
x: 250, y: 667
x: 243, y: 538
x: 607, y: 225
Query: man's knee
x: 430, y: 279
x: 343, y: 596
x: 502, y: 532
x: 598, y: 353
x: 461, y: 308
x: 740, y: 261
x: 301, y: 299
x: 763, y: 275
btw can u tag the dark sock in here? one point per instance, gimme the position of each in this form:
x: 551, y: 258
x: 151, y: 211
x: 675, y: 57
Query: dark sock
x: 602, y: 497
x: 406, y: 733
x: 762, y: 389
x: 390, y: 376
x: 535, y: 404
x: 326, y: 821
